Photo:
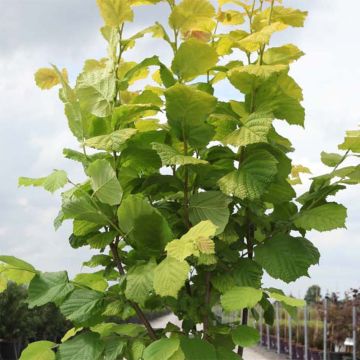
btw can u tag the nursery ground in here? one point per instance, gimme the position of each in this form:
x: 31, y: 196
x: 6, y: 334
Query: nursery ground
x: 256, y: 353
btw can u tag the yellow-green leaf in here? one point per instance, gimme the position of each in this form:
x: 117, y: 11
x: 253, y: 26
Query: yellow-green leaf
x: 46, y: 78
x: 193, y: 58
x: 170, y: 276
x: 115, y: 12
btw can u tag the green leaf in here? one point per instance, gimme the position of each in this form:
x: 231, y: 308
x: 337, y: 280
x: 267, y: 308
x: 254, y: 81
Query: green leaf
x: 248, y: 78
x: 288, y: 300
x: 94, y: 281
x: 56, y: 180
x: 48, y: 287
x: 125, y: 114
x: 254, y: 129
x: 104, y: 182
x: 330, y: 159
x: 170, y: 276
x: 351, y: 141
x: 17, y: 263
x: 96, y: 92
x: 210, y: 205
x: 279, y: 192
x: 247, y: 273
x: 285, y: 54
x: 226, y: 354
x: 70, y: 333
x: 161, y: 349
x: 253, y: 176
x: 169, y: 156
x: 239, y: 298
x: 194, y: 349
x: 193, y: 58
x: 111, y: 142
x: 147, y: 230
x: 83, y: 306
x: 114, y: 347
x: 101, y: 240
x: 187, y: 110
x: 322, y: 218
x: 279, y: 95
x: 139, y: 282
x: 285, y: 257
x: 115, y: 12
x: 82, y: 347
x: 83, y: 209
x: 39, y: 350
x: 245, y: 336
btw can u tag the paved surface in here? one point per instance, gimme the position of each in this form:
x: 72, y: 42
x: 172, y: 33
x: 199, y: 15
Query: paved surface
x: 258, y: 353
x: 255, y: 353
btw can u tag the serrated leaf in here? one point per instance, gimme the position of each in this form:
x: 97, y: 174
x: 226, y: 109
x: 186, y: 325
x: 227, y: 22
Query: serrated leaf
x: 83, y: 209
x: 247, y: 273
x: 254, y: 129
x: 351, y: 141
x: 245, y: 336
x: 197, y: 349
x: 288, y: 300
x: 285, y: 257
x: 46, y: 78
x: 139, y: 282
x: 14, y: 262
x: 195, y: 241
x: 252, y: 177
x: 187, y: 110
x: 56, y: 180
x: 104, y: 182
x: 254, y: 41
x: 169, y: 156
x: 114, y: 347
x: 147, y: 230
x: 82, y: 306
x: 96, y: 92
x: 101, y: 240
x: 248, y: 78
x: 115, y: 12
x: 285, y: 54
x: 111, y: 142
x: 94, y: 281
x: 210, y: 205
x: 281, y: 96
x: 170, y: 276
x: 82, y: 347
x: 48, y: 287
x: 39, y: 350
x: 193, y: 58
x: 193, y: 15
x: 239, y: 298
x: 161, y: 349
x: 322, y: 218
x: 330, y: 159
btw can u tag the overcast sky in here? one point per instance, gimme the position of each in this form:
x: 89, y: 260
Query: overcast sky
x: 34, y: 33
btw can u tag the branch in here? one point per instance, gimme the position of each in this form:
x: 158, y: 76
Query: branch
x: 207, y: 304
x: 135, y: 306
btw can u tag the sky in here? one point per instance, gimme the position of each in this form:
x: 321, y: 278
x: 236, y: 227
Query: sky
x: 33, y: 129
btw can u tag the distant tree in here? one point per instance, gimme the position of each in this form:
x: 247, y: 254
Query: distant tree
x: 313, y: 294
x: 17, y: 322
